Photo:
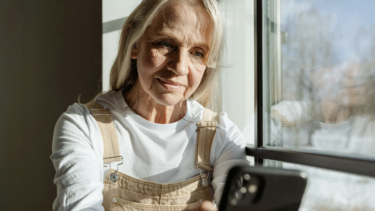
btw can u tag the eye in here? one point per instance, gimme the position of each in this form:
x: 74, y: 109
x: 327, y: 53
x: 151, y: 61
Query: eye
x: 197, y: 54
x: 166, y: 44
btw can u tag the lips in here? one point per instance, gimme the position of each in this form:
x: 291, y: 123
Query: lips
x: 354, y: 89
x: 170, y: 85
x: 353, y: 86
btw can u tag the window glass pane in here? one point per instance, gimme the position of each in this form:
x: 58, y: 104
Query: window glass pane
x: 319, y: 65
x: 329, y: 190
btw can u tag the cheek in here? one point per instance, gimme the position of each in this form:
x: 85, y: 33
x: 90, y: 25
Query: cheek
x: 148, y: 62
x: 195, y: 79
x: 154, y: 54
x: 149, y: 58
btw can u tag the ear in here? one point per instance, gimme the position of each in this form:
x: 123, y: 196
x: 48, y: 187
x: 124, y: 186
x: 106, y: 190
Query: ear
x: 134, y: 54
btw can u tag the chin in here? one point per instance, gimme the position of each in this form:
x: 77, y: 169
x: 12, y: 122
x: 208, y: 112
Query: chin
x: 350, y: 100
x: 352, y: 103
x: 167, y: 100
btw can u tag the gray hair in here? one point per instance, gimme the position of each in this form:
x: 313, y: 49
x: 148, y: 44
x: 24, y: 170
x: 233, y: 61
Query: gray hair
x: 123, y: 71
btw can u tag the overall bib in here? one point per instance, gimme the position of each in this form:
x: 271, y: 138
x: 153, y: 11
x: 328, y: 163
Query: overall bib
x: 122, y: 192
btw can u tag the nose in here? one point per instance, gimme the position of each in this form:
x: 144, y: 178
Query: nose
x: 354, y: 71
x: 179, y: 63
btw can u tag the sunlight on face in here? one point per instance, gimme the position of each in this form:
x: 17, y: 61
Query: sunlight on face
x: 172, y: 54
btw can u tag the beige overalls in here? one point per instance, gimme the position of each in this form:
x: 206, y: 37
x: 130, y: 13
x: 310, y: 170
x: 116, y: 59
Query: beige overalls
x: 122, y: 192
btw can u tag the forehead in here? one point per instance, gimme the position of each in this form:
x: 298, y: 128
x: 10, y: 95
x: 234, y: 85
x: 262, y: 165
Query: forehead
x: 187, y: 22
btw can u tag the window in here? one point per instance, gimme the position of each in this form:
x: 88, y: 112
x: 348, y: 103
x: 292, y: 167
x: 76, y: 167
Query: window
x: 315, y: 62
x: 333, y: 190
x: 320, y: 76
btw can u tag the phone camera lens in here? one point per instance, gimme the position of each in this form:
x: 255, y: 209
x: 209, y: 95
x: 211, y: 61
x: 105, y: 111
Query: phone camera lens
x: 246, y: 177
x: 243, y: 190
x: 252, y: 188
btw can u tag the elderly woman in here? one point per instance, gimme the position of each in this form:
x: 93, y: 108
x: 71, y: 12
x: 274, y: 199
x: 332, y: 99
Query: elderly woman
x: 150, y: 143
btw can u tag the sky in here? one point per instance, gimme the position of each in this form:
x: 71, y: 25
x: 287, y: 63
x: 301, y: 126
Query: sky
x: 347, y: 20
x: 361, y: 10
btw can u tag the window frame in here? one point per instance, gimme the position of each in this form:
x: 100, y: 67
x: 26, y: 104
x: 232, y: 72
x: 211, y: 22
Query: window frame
x: 333, y: 161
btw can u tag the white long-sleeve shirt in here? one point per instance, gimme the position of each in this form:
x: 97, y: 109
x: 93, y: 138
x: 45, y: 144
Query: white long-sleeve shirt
x: 162, y: 153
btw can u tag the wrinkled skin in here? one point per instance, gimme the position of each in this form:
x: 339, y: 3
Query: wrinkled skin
x: 171, y: 60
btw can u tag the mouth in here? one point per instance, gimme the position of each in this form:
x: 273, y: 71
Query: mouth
x: 356, y: 86
x: 169, y: 84
x: 356, y: 89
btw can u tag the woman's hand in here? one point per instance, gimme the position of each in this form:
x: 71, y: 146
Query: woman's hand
x: 206, y: 206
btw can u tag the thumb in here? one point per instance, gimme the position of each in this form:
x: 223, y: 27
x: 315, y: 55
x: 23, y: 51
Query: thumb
x: 207, y: 206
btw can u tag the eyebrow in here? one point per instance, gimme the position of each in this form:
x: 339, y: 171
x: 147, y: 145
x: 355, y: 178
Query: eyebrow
x: 159, y: 35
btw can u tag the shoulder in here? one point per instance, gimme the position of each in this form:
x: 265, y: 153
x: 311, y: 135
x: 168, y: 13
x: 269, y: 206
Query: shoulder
x: 71, y: 130
x: 228, y: 146
x: 74, y: 113
x: 365, y: 122
x: 76, y: 126
x: 75, y: 117
x: 111, y: 100
x: 289, y: 113
x: 197, y: 112
x: 227, y: 131
x: 79, y: 111
x: 79, y: 115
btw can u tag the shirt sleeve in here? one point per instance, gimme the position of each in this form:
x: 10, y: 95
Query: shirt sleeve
x: 78, y: 167
x: 227, y: 151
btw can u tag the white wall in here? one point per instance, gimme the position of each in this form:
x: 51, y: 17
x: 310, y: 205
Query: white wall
x: 238, y: 77
x: 113, y: 10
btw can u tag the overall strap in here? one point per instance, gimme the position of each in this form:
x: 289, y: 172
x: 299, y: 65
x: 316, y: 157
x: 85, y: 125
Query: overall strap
x: 111, y: 151
x: 205, y: 133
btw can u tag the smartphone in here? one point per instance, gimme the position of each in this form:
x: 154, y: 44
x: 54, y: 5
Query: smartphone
x: 263, y: 189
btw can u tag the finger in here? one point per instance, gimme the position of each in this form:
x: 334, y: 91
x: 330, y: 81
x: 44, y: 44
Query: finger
x: 207, y: 206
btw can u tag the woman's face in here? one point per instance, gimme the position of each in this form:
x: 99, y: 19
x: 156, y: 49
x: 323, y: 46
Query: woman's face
x: 172, y: 54
x: 344, y: 84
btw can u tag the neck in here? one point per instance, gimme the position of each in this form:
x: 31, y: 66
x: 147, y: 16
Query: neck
x: 146, y: 107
